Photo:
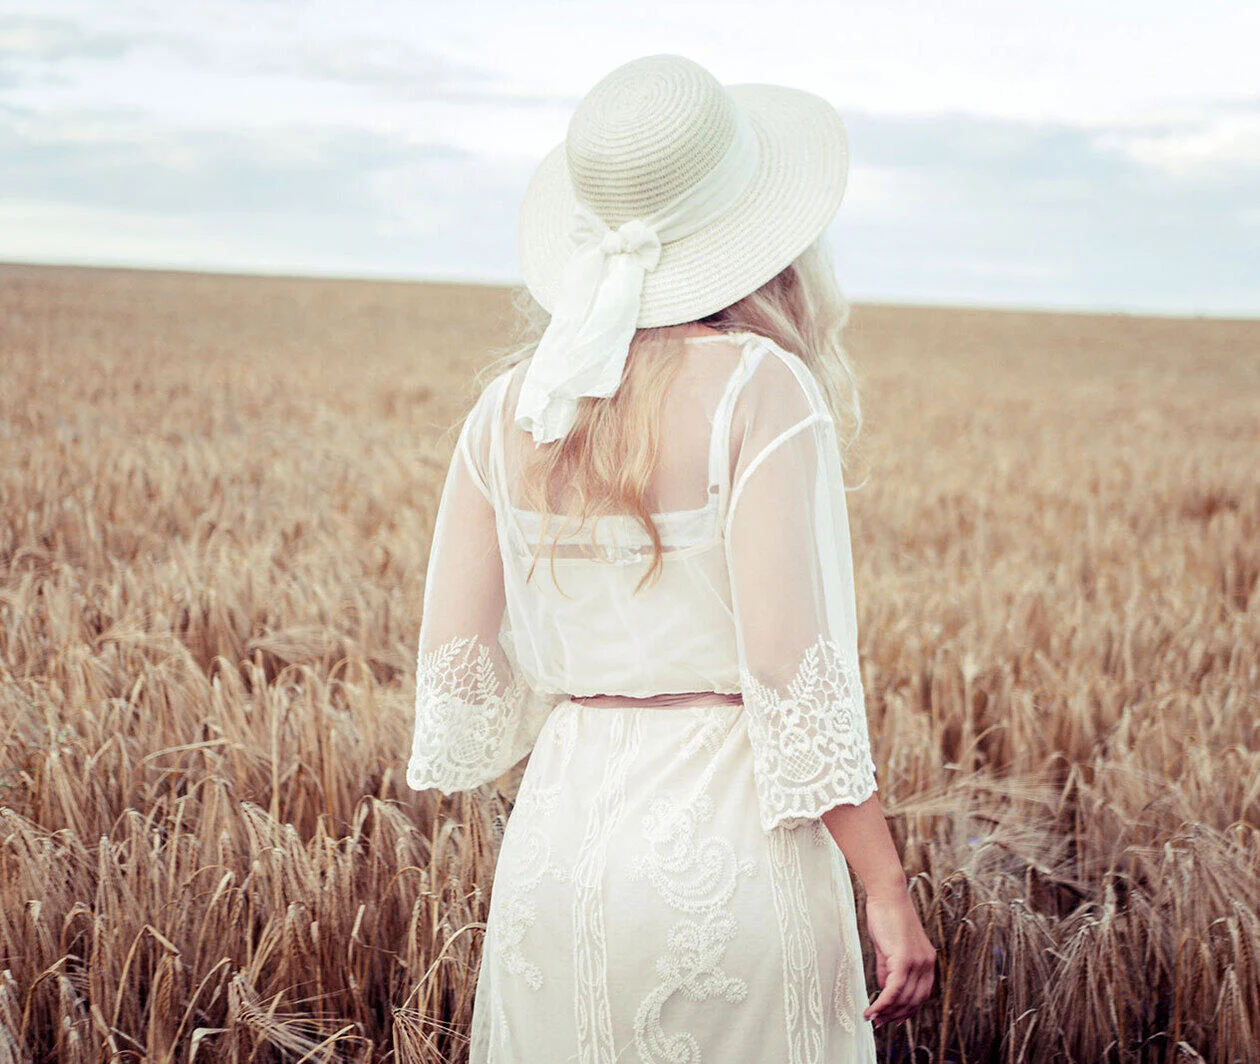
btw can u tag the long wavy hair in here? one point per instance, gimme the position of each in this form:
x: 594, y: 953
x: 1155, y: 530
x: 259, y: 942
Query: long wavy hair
x: 605, y: 464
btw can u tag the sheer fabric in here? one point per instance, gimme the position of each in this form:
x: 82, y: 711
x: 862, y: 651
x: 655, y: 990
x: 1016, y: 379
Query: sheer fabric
x: 756, y: 594
x: 647, y: 844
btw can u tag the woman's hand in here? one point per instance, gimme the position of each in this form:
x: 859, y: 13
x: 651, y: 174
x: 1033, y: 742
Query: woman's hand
x: 905, y: 958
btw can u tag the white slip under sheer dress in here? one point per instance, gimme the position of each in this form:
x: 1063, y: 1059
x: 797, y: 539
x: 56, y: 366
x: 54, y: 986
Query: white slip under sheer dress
x: 665, y: 891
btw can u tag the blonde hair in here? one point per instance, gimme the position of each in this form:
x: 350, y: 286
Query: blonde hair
x: 606, y: 461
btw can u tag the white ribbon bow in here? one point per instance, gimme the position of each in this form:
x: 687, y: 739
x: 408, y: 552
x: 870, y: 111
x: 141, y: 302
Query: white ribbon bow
x: 583, y: 351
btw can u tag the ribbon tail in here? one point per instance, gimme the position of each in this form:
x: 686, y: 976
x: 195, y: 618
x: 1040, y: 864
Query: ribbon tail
x: 545, y: 416
x: 582, y: 352
x: 547, y: 369
x: 603, y: 342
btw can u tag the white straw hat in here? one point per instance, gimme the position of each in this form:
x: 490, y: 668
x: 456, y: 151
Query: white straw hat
x: 671, y: 197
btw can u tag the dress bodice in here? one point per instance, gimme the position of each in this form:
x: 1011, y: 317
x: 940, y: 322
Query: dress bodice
x: 754, y: 595
x: 580, y: 625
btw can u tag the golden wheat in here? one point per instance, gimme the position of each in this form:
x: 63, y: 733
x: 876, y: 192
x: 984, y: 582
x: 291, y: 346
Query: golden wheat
x: 216, y: 496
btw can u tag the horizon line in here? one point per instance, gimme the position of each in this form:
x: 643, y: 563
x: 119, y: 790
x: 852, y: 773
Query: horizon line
x: 1083, y: 310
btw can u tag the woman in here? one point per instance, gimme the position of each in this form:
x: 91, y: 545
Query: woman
x: 641, y: 576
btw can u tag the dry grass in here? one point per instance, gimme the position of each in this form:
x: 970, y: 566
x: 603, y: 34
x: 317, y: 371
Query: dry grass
x: 216, y: 500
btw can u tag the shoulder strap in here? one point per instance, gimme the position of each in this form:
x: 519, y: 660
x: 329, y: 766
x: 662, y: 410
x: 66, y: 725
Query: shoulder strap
x: 752, y: 348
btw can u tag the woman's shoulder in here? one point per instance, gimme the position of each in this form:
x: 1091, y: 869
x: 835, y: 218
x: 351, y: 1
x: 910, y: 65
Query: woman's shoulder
x: 478, y: 425
x: 498, y: 378
x: 778, y: 385
x: 494, y: 385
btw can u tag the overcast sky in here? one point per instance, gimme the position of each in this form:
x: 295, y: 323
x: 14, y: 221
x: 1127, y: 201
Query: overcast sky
x: 1068, y: 154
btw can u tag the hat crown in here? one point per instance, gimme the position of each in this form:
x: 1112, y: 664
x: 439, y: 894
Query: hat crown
x: 647, y: 133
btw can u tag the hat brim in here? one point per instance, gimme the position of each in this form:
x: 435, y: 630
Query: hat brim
x: 802, y: 171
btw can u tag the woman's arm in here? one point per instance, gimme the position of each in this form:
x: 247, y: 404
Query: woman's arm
x: 905, y: 960
x: 475, y: 716
x: 792, y: 583
x: 863, y: 837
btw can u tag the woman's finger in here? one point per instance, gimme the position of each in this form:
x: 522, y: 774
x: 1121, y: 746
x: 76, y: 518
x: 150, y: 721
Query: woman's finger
x: 915, y: 991
x: 913, y: 996
x: 897, y: 1010
x: 891, y: 993
x: 918, y: 987
x: 929, y: 980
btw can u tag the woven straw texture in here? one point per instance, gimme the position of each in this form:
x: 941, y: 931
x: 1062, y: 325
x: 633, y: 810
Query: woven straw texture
x: 649, y: 131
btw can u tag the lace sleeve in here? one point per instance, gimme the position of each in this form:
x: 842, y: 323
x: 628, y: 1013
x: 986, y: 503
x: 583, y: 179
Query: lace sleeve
x: 792, y: 588
x: 475, y: 714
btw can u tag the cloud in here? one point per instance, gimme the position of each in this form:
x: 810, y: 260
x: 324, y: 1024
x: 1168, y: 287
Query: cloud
x: 959, y: 208
x: 102, y: 189
x: 406, y: 71
x: 108, y: 162
x: 1196, y: 144
x: 940, y: 209
x: 394, y: 144
x: 51, y: 40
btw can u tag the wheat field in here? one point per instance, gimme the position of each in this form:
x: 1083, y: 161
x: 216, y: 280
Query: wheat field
x: 216, y: 495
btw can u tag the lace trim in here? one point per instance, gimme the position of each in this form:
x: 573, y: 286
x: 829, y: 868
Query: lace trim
x: 811, y: 747
x: 802, y: 990
x: 468, y: 721
x: 525, y: 860
x: 698, y: 877
x: 842, y: 996
x: 592, y: 1007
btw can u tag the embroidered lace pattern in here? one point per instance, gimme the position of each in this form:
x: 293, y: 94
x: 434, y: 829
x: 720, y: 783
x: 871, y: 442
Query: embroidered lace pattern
x: 811, y: 748
x: 698, y: 877
x: 593, y: 1011
x: 648, y: 892
x: 468, y: 722
x: 802, y: 992
x: 525, y: 864
x: 842, y: 999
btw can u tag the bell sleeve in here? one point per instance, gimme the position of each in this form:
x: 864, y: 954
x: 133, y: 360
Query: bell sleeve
x: 476, y: 715
x: 791, y: 568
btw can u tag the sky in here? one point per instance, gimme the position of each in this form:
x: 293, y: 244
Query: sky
x: 1067, y: 155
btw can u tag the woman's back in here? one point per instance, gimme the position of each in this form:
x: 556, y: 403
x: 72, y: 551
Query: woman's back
x: 754, y: 598
x: 576, y: 616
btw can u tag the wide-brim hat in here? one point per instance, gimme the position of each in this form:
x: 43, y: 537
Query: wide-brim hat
x: 641, y: 137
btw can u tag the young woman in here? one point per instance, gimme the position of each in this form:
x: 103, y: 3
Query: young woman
x: 641, y: 576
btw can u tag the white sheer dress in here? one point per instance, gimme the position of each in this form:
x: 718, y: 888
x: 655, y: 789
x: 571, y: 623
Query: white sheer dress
x: 665, y: 891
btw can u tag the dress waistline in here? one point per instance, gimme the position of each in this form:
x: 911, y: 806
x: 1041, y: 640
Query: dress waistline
x: 662, y: 701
